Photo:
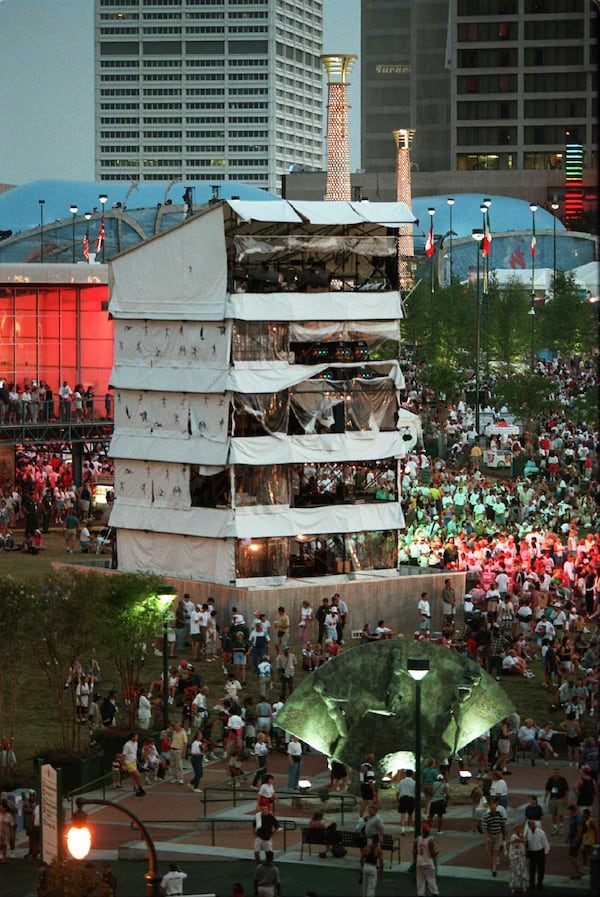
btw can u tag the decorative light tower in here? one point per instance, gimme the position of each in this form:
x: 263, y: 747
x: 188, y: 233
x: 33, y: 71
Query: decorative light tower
x: 406, y: 249
x: 338, y: 68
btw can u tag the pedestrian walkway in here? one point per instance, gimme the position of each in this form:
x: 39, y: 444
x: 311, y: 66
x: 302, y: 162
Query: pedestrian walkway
x: 181, y: 832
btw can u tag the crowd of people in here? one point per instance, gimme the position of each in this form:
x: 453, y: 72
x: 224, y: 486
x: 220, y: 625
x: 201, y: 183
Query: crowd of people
x: 36, y: 402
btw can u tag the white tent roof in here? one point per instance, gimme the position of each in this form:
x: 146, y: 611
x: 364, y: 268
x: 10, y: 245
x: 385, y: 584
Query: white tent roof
x: 387, y: 214
x: 277, y: 211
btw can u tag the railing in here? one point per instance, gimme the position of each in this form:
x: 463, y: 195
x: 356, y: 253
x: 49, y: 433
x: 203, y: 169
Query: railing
x: 287, y: 825
x: 236, y: 792
x: 99, y: 784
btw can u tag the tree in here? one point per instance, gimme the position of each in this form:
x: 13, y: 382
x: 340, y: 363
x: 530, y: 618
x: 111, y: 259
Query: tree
x: 16, y: 601
x: 566, y: 323
x: 132, y: 616
x: 507, y: 337
x: 528, y: 396
x: 441, y: 325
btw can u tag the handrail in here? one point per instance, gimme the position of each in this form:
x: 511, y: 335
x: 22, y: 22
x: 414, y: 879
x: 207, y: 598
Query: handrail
x: 287, y: 825
x: 347, y: 801
x: 101, y: 781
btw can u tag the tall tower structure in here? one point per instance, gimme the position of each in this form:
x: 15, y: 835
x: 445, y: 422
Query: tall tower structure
x: 338, y: 147
x: 218, y: 90
x: 406, y: 249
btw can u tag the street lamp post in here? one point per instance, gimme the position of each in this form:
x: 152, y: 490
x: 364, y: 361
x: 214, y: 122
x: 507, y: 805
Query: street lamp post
x: 554, y: 206
x: 73, y: 209
x: 41, y: 202
x: 165, y: 598
x: 533, y: 208
x: 103, y: 198
x: 417, y: 668
x: 79, y: 839
x: 451, y: 202
x: 478, y: 237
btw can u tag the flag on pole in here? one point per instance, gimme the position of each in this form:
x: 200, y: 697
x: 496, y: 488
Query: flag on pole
x: 100, y: 239
x: 487, y: 236
x: 86, y: 247
x: 533, y: 239
x: 429, y: 242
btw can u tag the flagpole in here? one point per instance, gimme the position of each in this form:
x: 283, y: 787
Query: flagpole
x: 430, y: 246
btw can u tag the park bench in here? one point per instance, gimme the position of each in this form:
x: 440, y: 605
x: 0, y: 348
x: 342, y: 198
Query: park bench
x: 323, y: 837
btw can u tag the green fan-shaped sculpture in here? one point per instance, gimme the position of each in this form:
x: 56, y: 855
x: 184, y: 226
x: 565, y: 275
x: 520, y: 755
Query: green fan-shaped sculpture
x: 363, y: 701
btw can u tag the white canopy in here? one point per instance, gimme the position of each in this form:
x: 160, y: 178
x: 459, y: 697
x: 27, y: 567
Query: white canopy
x: 386, y: 214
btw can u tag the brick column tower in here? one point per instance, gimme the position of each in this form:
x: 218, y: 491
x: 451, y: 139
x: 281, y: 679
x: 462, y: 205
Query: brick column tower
x: 338, y: 147
x: 406, y: 249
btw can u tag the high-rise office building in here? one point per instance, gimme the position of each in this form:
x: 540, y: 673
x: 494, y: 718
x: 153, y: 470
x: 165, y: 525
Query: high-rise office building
x: 208, y: 89
x: 486, y: 84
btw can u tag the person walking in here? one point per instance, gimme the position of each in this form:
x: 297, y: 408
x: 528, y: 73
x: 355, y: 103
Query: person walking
x: 294, y: 752
x: 427, y: 852
x: 172, y: 881
x: 555, y: 795
x: 574, y: 839
x: 130, y: 763
x: 537, y: 847
x: 265, y: 825
x: 405, y: 791
x: 517, y: 861
x: 197, y: 758
x: 494, y: 830
x: 439, y: 801
x: 261, y: 753
x: 371, y: 866
x: 266, y: 878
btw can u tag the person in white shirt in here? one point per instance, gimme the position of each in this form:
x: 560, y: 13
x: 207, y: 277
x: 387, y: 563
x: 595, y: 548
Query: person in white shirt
x: 537, y: 847
x: 172, y: 882
x: 130, y: 764
x: 424, y: 612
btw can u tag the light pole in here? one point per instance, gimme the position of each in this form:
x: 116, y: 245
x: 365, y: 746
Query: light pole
x: 533, y: 208
x: 103, y: 198
x: 478, y: 237
x: 451, y: 202
x: 430, y: 246
x: 79, y: 839
x: 554, y: 206
x: 73, y: 209
x: 165, y: 597
x: 41, y: 202
x: 417, y: 668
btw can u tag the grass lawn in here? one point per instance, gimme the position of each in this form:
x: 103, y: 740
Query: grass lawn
x: 26, y: 708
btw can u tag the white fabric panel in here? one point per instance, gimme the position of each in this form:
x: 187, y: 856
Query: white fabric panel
x: 194, y: 450
x: 172, y: 344
x: 211, y: 522
x: 257, y: 521
x: 182, y: 274
x: 389, y: 214
x: 187, y: 558
x: 201, y: 379
x: 411, y: 424
x: 313, y: 331
x: 252, y: 379
x: 209, y: 416
x: 165, y: 485
x: 273, y: 210
x: 162, y: 414
x: 165, y: 414
x: 254, y: 523
x: 328, y: 306
x: 368, y: 445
